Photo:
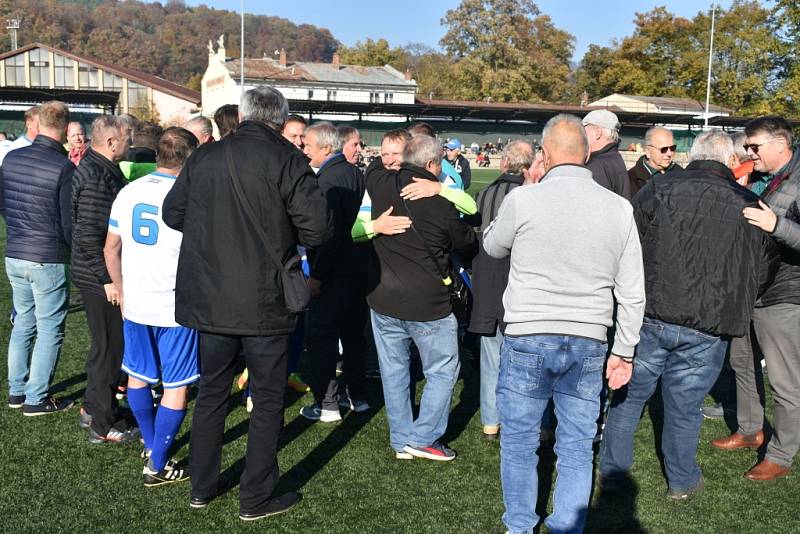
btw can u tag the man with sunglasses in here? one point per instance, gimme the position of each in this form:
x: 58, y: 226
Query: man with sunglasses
x: 777, y: 313
x: 657, y: 159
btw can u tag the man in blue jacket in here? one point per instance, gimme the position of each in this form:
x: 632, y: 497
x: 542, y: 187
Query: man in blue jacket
x: 35, y: 189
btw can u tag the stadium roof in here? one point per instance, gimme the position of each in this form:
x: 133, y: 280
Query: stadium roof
x: 26, y: 95
x: 137, y: 76
x: 659, y: 104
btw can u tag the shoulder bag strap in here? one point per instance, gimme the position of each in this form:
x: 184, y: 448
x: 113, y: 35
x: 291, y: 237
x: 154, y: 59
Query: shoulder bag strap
x: 248, y: 210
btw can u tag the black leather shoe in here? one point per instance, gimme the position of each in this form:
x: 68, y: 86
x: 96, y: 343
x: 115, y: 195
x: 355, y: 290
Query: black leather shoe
x: 199, y: 502
x: 274, y: 506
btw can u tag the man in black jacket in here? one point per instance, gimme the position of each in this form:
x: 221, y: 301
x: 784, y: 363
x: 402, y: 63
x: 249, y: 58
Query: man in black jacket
x: 704, y: 267
x: 658, y: 155
x: 777, y: 314
x: 35, y: 191
x: 605, y: 161
x: 410, y: 300
x: 490, y: 278
x: 97, y: 181
x: 338, y: 283
x: 228, y: 286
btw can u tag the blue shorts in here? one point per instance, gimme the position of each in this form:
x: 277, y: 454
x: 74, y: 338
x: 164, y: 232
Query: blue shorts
x: 154, y: 353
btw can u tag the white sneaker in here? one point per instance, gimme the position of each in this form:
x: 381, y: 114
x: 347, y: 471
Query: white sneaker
x: 403, y: 455
x: 315, y: 413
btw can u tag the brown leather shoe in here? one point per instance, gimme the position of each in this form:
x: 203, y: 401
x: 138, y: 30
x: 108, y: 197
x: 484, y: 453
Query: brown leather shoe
x: 739, y: 441
x: 766, y: 470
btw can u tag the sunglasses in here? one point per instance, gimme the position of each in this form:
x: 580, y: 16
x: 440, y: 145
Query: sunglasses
x: 754, y: 147
x: 665, y: 149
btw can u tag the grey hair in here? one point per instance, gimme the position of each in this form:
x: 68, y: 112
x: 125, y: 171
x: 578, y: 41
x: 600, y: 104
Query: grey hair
x: 648, y: 135
x: 574, y: 121
x: 715, y: 145
x: 264, y: 104
x: 203, y: 124
x: 102, y: 124
x: 346, y: 132
x: 738, y: 146
x: 326, y: 135
x: 518, y: 155
x: 611, y: 135
x: 421, y: 149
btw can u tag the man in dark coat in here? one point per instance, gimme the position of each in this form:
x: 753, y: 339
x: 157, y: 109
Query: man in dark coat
x: 704, y: 268
x: 338, y: 281
x: 97, y: 181
x: 658, y: 155
x: 228, y: 286
x: 35, y: 196
x: 490, y: 278
x: 605, y: 162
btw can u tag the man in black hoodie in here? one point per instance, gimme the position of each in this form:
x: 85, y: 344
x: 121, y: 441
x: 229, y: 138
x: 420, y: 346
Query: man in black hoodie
x: 410, y: 300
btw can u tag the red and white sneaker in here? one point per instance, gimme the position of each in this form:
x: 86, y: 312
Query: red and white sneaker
x: 435, y: 451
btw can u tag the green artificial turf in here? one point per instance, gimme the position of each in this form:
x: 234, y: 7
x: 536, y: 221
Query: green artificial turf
x: 53, y: 480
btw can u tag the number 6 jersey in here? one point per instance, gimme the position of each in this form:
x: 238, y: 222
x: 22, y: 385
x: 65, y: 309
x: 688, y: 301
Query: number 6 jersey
x: 149, y: 250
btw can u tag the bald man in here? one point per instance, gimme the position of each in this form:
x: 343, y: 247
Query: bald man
x: 659, y: 153
x: 573, y: 244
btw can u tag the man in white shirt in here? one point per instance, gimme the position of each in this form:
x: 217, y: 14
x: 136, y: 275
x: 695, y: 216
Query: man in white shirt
x: 31, y: 131
x: 141, y: 255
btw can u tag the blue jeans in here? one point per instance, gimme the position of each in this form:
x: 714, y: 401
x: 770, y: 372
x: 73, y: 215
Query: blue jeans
x: 438, y: 348
x: 490, y: 370
x: 688, y: 362
x: 40, y: 293
x: 534, y: 369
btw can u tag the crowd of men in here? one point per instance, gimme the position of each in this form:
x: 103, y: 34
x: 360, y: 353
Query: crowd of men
x: 193, y: 255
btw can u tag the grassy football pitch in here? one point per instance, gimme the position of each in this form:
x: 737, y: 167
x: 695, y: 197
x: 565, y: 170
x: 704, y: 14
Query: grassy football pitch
x: 53, y: 480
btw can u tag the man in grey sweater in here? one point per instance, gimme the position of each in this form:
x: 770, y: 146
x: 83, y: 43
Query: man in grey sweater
x: 574, y: 248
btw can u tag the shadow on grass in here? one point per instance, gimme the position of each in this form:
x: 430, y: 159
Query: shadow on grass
x: 68, y: 382
x: 468, y: 403
x: 614, y: 509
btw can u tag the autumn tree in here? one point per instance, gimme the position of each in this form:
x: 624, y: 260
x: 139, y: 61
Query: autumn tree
x: 506, y: 50
x: 372, y: 54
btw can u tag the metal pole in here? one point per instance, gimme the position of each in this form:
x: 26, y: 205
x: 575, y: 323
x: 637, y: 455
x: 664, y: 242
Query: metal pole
x: 241, y: 52
x: 710, y: 58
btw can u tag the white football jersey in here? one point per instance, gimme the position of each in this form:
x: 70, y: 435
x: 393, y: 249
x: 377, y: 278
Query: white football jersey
x: 150, y: 250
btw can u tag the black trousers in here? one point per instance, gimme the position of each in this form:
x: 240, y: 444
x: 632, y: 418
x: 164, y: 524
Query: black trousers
x: 103, y: 363
x: 265, y: 357
x: 339, y: 313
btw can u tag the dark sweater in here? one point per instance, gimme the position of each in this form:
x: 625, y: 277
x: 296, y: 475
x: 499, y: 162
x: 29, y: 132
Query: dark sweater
x: 608, y: 169
x: 406, y: 282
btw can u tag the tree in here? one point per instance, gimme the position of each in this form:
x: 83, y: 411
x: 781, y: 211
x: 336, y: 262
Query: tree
x: 506, y: 50
x: 371, y: 54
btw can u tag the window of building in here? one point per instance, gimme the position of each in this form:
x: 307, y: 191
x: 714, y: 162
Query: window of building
x: 40, y: 67
x: 310, y: 94
x: 87, y: 76
x: 137, y: 96
x: 15, y: 70
x: 64, y: 71
x: 374, y: 98
x: 388, y: 98
x: 111, y: 81
x: 331, y: 94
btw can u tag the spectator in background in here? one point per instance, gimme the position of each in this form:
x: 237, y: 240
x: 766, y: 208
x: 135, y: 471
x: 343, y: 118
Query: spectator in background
x: 705, y: 266
x: 227, y: 287
x: 490, y: 278
x: 31, y: 131
x: 459, y: 162
x: 294, y: 130
x: 227, y: 119
x: 202, y: 129
x: 657, y: 159
x: 76, y: 138
x: 97, y: 181
x: 351, y: 143
x: 605, y: 161
x: 145, y: 141
x: 35, y: 192
x: 567, y: 265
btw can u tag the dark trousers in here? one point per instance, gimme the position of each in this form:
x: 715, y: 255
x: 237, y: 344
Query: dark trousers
x: 265, y: 357
x: 103, y: 362
x: 339, y: 313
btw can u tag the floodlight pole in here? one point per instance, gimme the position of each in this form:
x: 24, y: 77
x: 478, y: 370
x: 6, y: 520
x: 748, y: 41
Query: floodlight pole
x: 13, y: 25
x: 241, y: 52
x: 710, y: 58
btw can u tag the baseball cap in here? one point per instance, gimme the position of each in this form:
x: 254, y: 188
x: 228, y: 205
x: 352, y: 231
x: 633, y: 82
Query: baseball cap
x: 453, y: 144
x: 602, y: 118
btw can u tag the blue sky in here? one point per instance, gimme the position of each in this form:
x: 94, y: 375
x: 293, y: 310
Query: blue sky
x: 418, y: 21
